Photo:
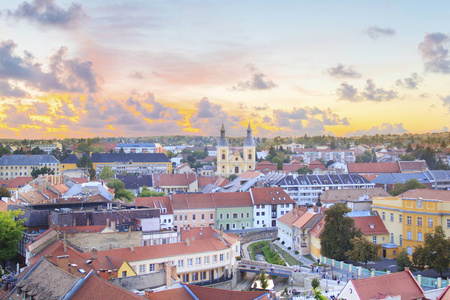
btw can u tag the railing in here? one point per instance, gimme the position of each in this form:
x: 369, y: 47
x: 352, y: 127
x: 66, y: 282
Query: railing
x: 213, y: 281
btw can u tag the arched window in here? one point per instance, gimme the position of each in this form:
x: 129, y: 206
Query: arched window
x: 250, y: 156
x: 223, y: 156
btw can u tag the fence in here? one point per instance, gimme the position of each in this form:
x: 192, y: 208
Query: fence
x: 364, y: 273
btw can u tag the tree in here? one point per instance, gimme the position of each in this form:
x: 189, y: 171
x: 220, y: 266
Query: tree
x: 120, y: 194
x: 116, y: 184
x: 403, y: 260
x: 363, y: 250
x: 4, y: 192
x: 44, y: 170
x: 280, y: 165
x: 317, y: 295
x: 315, y: 283
x: 263, y: 279
x: 4, y: 150
x: 147, y: 193
x: 367, y: 156
x: 86, y: 162
x: 106, y: 173
x: 10, y: 234
x: 409, y: 149
x: 434, y: 253
x: 37, y: 150
x: 121, y: 150
x: 407, y: 157
x: 304, y: 170
x: 411, y: 184
x: 337, y: 233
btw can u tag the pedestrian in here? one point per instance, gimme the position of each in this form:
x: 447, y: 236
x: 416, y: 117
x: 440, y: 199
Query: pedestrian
x: 339, y: 282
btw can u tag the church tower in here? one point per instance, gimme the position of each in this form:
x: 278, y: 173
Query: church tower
x: 249, y: 151
x: 222, y: 153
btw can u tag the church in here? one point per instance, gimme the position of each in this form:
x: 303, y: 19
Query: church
x: 235, y: 162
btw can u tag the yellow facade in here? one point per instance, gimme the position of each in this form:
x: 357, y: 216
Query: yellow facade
x: 68, y: 167
x: 315, y: 246
x: 125, y: 270
x: 408, y: 220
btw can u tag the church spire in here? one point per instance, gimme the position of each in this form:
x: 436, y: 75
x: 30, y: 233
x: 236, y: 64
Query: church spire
x: 222, y: 141
x: 222, y: 131
x: 249, y: 131
x: 249, y: 139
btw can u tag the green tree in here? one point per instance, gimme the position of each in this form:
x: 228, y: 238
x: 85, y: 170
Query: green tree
x: 367, y: 156
x: 263, y: 279
x: 411, y: 184
x: 120, y: 194
x: 4, y: 151
x: 4, y: 192
x: 10, y: 233
x: 121, y: 150
x: 337, y: 233
x: 434, y: 253
x: 116, y: 184
x: 44, y: 170
x: 106, y: 173
x: 37, y: 150
x: 86, y: 162
x: 317, y: 295
x: 148, y: 193
x: 304, y: 170
x: 315, y: 283
x: 407, y: 157
x: 403, y: 260
x: 280, y: 165
x: 409, y: 149
x: 363, y: 250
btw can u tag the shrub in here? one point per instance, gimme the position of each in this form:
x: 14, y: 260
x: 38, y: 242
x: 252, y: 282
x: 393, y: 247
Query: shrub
x: 282, y: 243
x: 278, y: 238
x: 289, y: 248
x: 296, y: 252
x: 315, y: 283
x: 238, y: 258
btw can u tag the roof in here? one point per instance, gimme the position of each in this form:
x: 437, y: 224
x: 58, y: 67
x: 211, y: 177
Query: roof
x: 186, y: 201
x: 352, y: 194
x: 293, y: 166
x: 96, y: 288
x: 71, y: 159
x: 199, y: 233
x: 155, y: 202
x: 290, y: 217
x: 136, y: 145
x: 413, y: 166
x: 127, y: 157
x: 271, y: 195
x: 393, y: 178
x: 318, y: 227
x: 135, y: 181
x: 219, y: 294
x: 304, y: 219
x: 372, y: 225
x: 26, y: 160
x: 250, y: 174
x: 316, y: 164
x: 373, y: 168
x: 173, y: 179
x: 400, y: 284
x: 179, y: 293
x: 242, y: 199
x: 428, y: 194
x: 18, y: 182
x: 216, y: 181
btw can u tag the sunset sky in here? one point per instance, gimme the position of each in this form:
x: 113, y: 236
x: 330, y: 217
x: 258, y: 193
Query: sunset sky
x: 146, y: 68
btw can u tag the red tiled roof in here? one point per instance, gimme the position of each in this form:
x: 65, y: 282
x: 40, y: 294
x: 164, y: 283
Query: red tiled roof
x: 400, y: 284
x: 300, y: 222
x: 172, y: 294
x: 372, y: 225
x: 238, y: 199
x: 3, y: 182
x: 293, y: 166
x: 219, y: 294
x: 318, y: 228
x: 199, y: 233
x: 18, y: 182
x: 369, y: 177
x: 373, y: 168
x: 56, y: 249
x: 80, y: 180
x: 217, y: 181
x: 409, y: 166
x: 427, y: 194
x: 186, y: 201
x: 292, y: 216
x: 316, y: 164
x: 250, y: 174
x: 155, y: 202
x: 73, y: 229
x: 173, y: 179
x: 266, y: 166
x: 96, y: 288
x: 271, y: 195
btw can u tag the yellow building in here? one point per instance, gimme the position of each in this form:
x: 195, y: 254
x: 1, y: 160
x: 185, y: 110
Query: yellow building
x: 411, y: 215
x: 229, y: 163
x: 17, y: 165
x: 140, y: 163
x: 70, y: 163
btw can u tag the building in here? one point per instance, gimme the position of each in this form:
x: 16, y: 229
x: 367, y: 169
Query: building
x: 356, y: 199
x: 164, y: 206
x: 139, y: 148
x: 175, y: 183
x: 413, y: 214
x: 15, y: 165
x: 47, y: 148
x: 372, y: 169
x: 183, y: 169
x: 233, y: 210
x: 309, y: 155
x: 413, y: 166
x: 135, y: 163
x: 285, y: 226
x: 70, y: 163
x: 135, y: 183
x: 193, y: 210
x: 231, y: 163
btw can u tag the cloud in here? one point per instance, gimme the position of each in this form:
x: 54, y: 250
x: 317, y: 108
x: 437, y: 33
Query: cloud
x: 63, y: 75
x: 370, y: 93
x: 261, y: 108
x: 434, y: 51
x: 151, y: 109
x: 446, y: 102
x: 342, y: 71
x: 137, y: 75
x: 384, y: 128
x: 47, y: 13
x: 411, y: 82
x: 257, y: 82
x: 7, y: 91
x: 376, y: 32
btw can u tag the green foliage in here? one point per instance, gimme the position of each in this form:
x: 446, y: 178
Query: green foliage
x: 263, y: 279
x: 4, y: 192
x: 411, y: 184
x: 106, y: 173
x: 232, y: 177
x: 86, y: 162
x: 120, y: 194
x: 317, y: 294
x: 147, y: 193
x: 363, y: 250
x: 271, y: 256
x: 44, y: 170
x: 4, y: 150
x: 10, y: 233
x: 280, y: 165
x: 337, y: 233
x: 407, y: 157
x: 434, y: 253
x: 37, y: 150
x: 403, y: 260
x: 116, y: 184
x: 304, y: 170
x: 315, y: 283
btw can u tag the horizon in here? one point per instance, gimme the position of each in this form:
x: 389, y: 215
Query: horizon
x: 142, y: 69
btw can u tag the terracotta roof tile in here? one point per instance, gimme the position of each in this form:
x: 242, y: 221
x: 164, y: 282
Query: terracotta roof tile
x: 219, y: 294
x: 18, y: 182
x: 427, y: 194
x: 217, y: 181
x: 411, y: 166
x: 172, y: 294
x: 292, y: 216
x: 372, y: 225
x: 173, y: 179
x: 241, y: 199
x: 373, y: 168
x: 155, y: 202
x: 300, y: 222
x: 352, y: 194
x: 316, y: 164
x: 272, y: 195
x: 199, y: 233
x: 318, y: 228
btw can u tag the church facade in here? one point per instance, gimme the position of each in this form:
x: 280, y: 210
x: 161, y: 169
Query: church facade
x: 235, y: 162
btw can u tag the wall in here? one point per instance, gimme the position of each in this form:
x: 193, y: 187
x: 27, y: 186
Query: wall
x: 259, y: 235
x: 141, y: 282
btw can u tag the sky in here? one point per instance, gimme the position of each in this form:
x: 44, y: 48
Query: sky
x: 289, y: 68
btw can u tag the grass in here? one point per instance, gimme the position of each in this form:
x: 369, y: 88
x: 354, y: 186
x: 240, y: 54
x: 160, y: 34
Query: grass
x: 256, y: 248
x: 263, y: 247
x: 288, y: 258
x: 308, y: 256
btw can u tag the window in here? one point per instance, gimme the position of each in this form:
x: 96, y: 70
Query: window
x: 214, y: 259
x: 448, y: 223
x: 211, y: 216
x: 392, y: 217
x: 236, y: 250
x: 174, y: 217
x: 228, y: 256
x: 401, y: 240
x: 195, y: 276
x: 392, y: 237
x: 383, y: 216
x: 124, y: 273
x: 374, y: 239
x: 257, y: 222
x: 263, y: 213
x: 203, y: 216
x: 223, y: 156
x: 152, y: 267
x: 248, y: 216
x: 408, y: 220
x: 221, y: 216
x: 181, y: 218
x: 235, y: 215
x: 228, y: 216
x: 198, y: 261
x: 189, y: 262
x: 419, y: 236
x: 221, y: 257
x: 409, y: 236
x: 248, y: 225
x: 430, y: 222
x: 206, y: 259
x: 282, y: 213
x: 185, y: 217
x: 257, y: 214
x: 141, y: 269
x: 234, y: 226
x: 181, y: 263
x: 242, y: 215
x: 409, y: 250
x: 193, y: 217
x: 400, y: 218
x: 419, y: 221
x: 186, y: 277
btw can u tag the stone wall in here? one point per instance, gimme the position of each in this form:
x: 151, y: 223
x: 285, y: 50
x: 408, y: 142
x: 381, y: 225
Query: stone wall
x: 141, y: 282
x: 259, y: 235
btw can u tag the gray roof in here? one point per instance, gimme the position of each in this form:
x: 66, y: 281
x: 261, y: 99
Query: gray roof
x: 137, y: 145
x: 441, y: 174
x: 27, y: 160
x: 393, y: 178
x: 127, y: 157
x: 322, y: 179
x: 96, y: 188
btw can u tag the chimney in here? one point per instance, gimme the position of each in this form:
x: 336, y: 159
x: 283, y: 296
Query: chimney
x: 132, y: 247
x: 65, y: 245
x: 113, y: 225
x: 62, y: 262
x: 193, y: 239
x: 148, y: 294
x: 107, y: 222
x: 103, y: 274
x: 168, y: 274
x: 188, y: 242
x: 94, y: 253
